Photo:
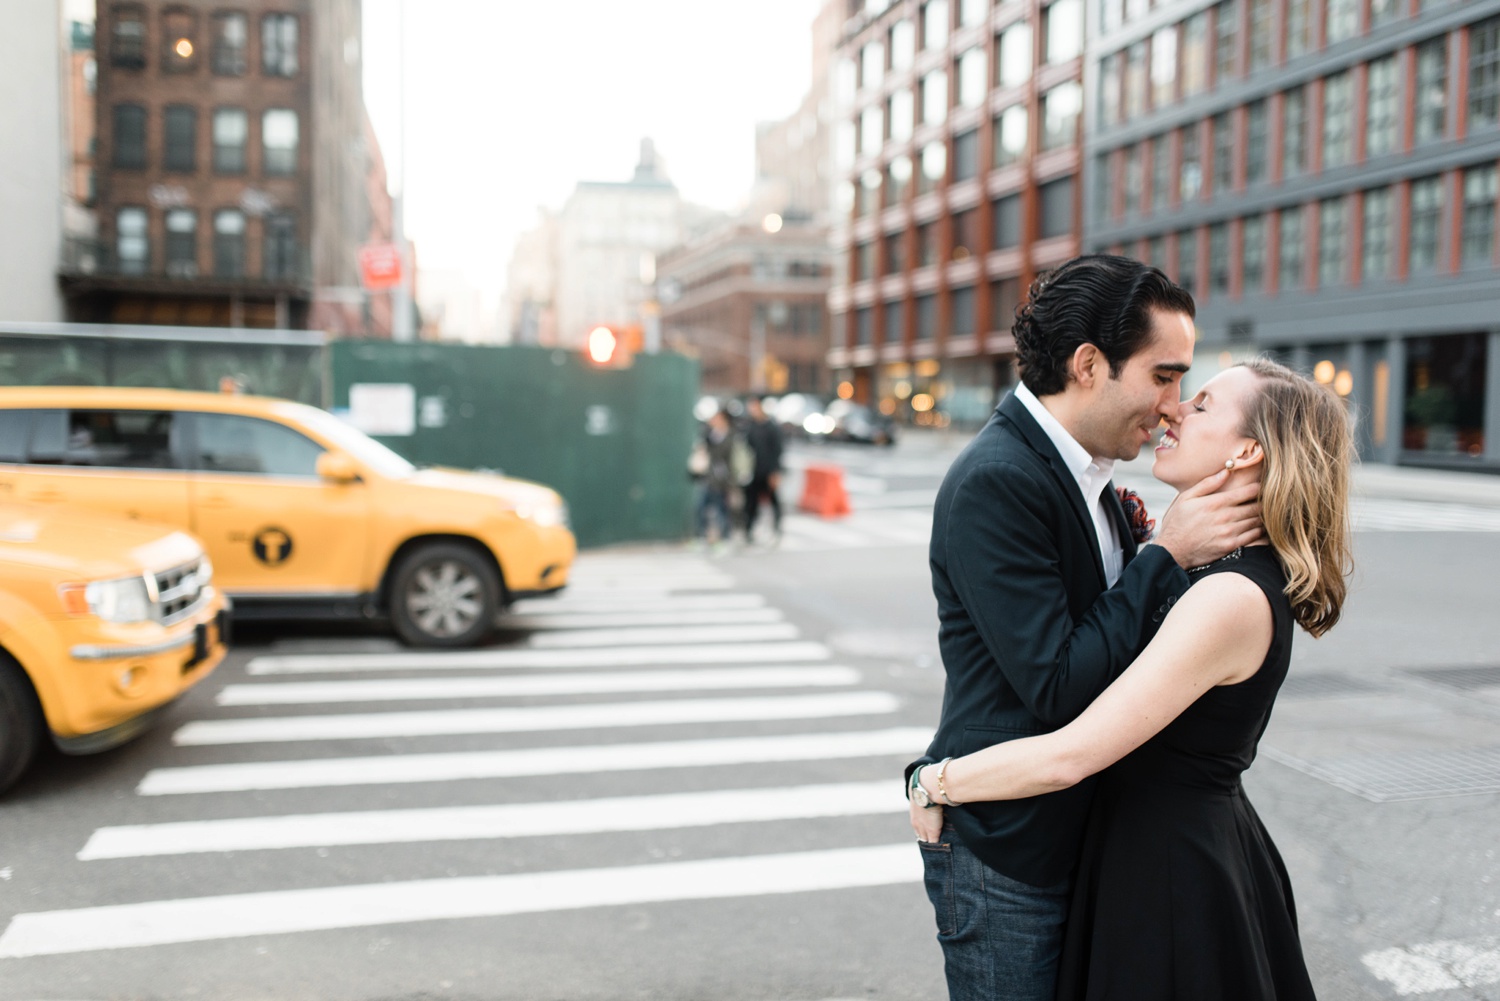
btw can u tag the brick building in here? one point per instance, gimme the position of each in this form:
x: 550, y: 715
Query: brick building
x: 231, y: 168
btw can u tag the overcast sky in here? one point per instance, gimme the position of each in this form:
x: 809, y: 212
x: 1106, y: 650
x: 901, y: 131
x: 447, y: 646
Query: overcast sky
x: 511, y: 102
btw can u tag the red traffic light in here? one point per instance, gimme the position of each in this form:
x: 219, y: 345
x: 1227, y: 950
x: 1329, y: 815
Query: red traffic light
x: 602, y: 345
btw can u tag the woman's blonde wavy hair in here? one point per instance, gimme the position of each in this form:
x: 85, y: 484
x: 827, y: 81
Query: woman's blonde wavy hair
x: 1303, y: 429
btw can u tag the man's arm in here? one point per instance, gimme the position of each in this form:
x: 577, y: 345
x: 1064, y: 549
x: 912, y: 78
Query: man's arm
x: 1003, y: 560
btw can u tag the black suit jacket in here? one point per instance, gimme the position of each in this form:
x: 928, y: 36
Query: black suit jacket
x: 1030, y: 634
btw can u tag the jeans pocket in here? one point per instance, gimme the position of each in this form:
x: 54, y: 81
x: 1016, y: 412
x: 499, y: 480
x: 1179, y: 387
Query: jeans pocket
x: 937, y: 875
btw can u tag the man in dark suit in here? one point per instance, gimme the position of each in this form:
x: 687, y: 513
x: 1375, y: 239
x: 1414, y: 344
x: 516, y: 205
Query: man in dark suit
x: 1044, y: 597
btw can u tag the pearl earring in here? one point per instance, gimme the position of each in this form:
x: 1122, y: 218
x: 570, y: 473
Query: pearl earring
x: 1229, y: 464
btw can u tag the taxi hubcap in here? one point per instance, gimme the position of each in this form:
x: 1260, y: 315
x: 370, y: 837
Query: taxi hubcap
x: 445, y: 598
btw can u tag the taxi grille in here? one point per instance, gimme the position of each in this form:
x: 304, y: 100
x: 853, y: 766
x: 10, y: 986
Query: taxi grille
x: 179, y: 592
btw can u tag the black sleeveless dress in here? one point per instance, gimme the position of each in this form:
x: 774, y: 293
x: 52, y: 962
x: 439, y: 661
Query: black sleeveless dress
x: 1180, y: 894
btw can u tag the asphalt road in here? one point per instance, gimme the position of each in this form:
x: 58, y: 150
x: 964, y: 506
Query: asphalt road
x: 681, y: 781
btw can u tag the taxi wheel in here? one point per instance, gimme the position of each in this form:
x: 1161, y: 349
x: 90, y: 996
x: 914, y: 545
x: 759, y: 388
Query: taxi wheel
x: 444, y: 595
x: 20, y: 722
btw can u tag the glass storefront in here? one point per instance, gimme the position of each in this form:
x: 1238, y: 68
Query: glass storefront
x: 1445, y: 394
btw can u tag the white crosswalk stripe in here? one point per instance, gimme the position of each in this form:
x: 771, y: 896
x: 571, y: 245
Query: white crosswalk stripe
x: 641, y: 641
x: 860, y: 530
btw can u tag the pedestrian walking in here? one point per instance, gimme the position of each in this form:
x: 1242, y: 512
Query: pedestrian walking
x: 763, y: 437
x: 711, y: 464
x: 1044, y: 597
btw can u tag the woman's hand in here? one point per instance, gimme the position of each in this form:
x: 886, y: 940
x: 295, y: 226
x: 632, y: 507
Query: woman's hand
x: 927, y: 822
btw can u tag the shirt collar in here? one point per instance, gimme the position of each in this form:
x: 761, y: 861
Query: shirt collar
x: 1091, y: 473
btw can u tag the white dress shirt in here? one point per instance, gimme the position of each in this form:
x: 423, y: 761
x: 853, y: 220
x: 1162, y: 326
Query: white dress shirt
x: 1092, y: 475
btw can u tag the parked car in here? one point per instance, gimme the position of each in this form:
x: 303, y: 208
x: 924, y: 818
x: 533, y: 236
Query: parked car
x: 792, y: 412
x: 850, y: 421
x: 302, y: 515
x: 103, y: 622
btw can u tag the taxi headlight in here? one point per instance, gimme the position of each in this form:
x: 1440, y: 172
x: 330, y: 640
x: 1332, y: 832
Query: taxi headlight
x: 205, y: 572
x: 545, y: 514
x: 125, y: 600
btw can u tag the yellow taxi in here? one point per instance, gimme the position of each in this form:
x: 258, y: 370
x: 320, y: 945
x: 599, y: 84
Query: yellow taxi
x: 302, y: 515
x: 103, y: 622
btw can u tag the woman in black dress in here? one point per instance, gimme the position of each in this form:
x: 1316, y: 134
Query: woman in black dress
x: 1180, y: 893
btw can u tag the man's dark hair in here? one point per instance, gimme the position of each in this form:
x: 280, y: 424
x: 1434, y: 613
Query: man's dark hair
x: 1099, y: 299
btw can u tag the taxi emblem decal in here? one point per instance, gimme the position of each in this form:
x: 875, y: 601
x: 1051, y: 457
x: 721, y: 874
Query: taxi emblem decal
x: 272, y: 546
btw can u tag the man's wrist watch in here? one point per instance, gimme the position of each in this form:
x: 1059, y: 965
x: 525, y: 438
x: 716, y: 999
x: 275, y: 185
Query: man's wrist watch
x: 918, y: 793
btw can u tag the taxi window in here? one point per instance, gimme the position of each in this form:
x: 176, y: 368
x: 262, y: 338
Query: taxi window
x: 230, y: 444
x: 15, y: 432
x: 115, y: 439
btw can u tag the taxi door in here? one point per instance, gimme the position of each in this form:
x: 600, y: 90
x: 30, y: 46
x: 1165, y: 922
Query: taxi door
x: 272, y: 526
x: 117, y: 461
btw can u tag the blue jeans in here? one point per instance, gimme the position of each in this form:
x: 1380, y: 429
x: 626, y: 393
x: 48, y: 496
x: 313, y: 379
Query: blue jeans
x: 1001, y: 938
x: 716, y: 503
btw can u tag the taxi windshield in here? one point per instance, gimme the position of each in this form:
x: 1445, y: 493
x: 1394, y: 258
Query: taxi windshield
x: 354, y: 441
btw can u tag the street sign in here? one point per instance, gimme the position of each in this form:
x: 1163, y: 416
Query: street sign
x: 379, y: 266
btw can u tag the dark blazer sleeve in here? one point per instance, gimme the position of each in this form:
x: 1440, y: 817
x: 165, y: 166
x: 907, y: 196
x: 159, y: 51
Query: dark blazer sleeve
x: 1003, y: 558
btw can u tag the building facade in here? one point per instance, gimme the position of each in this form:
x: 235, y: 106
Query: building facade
x: 1322, y: 175
x: 958, y: 163
x: 232, y: 167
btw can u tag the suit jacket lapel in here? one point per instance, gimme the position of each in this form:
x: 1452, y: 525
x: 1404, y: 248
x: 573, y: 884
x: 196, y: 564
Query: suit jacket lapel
x: 1122, y: 523
x: 1020, y: 418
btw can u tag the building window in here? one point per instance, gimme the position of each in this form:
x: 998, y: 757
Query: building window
x: 1061, y: 107
x: 278, y: 44
x: 1005, y: 296
x: 130, y: 137
x: 864, y: 262
x: 1156, y: 254
x: 1294, y: 132
x: 1375, y: 264
x: 871, y: 130
x: 1056, y: 199
x: 961, y: 312
x: 1190, y: 175
x: 1013, y: 66
x: 1426, y: 223
x: 1227, y: 39
x: 973, y: 11
x: 1333, y: 240
x: 864, y: 327
x: 1218, y: 258
x: 1382, y: 11
x: 927, y: 317
x: 1338, y: 120
x: 1161, y: 171
x: 231, y: 129
x: 1253, y: 266
x: 966, y: 155
x: 1340, y: 20
x: 867, y: 194
x: 1163, y: 66
x: 281, y: 246
x: 934, y: 97
x: 1223, y: 131
x: 179, y: 41
x: 1478, y: 234
x: 1292, y: 247
x: 895, y: 322
x: 1007, y: 222
x: 229, y: 243
x: 1135, y: 179
x: 1195, y: 54
x: 132, y: 245
x: 927, y: 251
x: 1010, y: 136
x: 182, y: 243
x: 1062, y: 30
x: 903, y: 45
x: 1135, y: 80
x: 895, y: 252
x: 934, y: 24
x: 1261, y: 24
x: 127, y: 48
x: 1484, y: 73
x: 1111, y: 68
x: 180, y: 128
x: 1257, y: 142
x: 1432, y: 90
x: 973, y: 78
x: 934, y: 167
x: 1111, y: 15
x: 1187, y: 260
x: 1383, y: 114
x: 871, y: 65
x: 1298, y: 27
x: 231, y: 43
x: 897, y: 180
x: 899, y: 111
x: 1445, y: 394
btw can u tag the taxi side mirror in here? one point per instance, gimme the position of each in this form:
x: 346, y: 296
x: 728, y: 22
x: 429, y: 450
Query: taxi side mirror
x: 337, y: 467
